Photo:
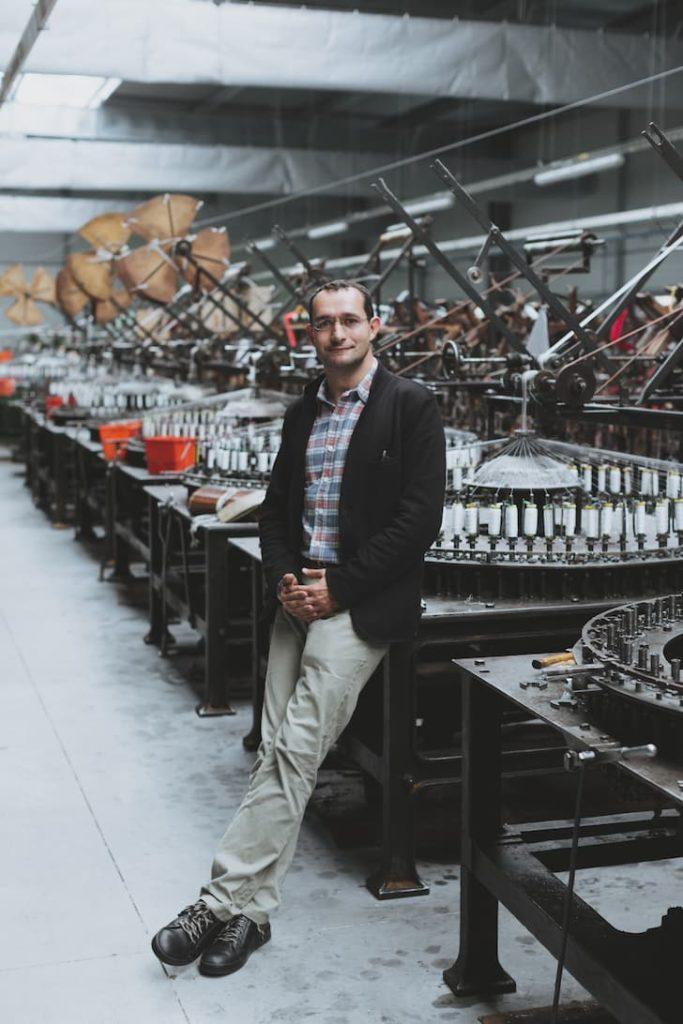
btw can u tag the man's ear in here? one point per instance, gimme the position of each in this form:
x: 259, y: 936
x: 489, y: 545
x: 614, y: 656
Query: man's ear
x: 375, y: 324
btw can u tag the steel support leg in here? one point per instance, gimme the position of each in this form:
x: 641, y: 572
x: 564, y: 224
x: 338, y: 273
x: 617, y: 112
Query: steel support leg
x: 216, y: 665
x: 397, y: 874
x: 116, y: 504
x: 59, y: 468
x: 158, y: 631
x: 477, y: 970
x: 258, y: 644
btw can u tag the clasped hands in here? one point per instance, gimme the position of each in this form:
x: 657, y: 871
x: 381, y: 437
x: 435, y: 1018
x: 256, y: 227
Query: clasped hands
x: 309, y: 601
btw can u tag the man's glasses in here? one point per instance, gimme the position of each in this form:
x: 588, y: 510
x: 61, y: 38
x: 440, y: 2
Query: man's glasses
x: 324, y: 324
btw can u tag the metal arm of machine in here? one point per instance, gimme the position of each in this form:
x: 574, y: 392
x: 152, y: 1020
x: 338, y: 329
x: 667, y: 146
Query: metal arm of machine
x: 315, y: 272
x: 668, y: 152
x: 495, y: 235
x: 425, y: 238
x: 574, y: 759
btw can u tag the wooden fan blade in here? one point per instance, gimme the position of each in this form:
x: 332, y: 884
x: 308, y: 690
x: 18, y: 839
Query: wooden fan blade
x: 24, y: 312
x: 110, y: 308
x: 211, y: 251
x: 93, y: 276
x: 42, y: 287
x: 164, y: 217
x: 12, y: 281
x: 121, y: 297
x: 146, y: 272
x: 109, y: 231
x: 105, y: 311
x: 70, y: 298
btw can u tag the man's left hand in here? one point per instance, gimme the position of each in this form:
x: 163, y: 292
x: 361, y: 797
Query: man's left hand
x: 318, y: 597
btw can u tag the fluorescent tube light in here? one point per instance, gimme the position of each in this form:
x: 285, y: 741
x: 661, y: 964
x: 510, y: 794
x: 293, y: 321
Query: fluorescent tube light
x: 429, y: 204
x: 265, y: 243
x: 324, y: 230
x: 83, y: 91
x: 579, y: 168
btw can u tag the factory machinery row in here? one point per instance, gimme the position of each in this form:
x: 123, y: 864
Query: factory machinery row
x: 551, y: 639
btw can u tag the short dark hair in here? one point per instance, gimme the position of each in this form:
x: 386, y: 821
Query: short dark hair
x: 340, y: 285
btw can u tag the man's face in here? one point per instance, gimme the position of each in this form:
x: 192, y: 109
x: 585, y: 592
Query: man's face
x: 340, y: 329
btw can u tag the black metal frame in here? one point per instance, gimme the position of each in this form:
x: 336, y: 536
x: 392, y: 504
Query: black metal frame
x: 192, y: 577
x: 633, y: 975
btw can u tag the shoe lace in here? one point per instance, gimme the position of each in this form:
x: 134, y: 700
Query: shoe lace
x: 233, y: 930
x: 195, y: 919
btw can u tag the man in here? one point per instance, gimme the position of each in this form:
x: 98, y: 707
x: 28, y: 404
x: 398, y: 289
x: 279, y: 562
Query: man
x: 355, y: 499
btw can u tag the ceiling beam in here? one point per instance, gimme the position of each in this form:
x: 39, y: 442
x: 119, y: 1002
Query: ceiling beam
x: 283, y: 47
x: 34, y: 26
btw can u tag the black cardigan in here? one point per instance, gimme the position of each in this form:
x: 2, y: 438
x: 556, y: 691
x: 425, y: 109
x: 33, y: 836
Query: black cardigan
x: 390, y: 505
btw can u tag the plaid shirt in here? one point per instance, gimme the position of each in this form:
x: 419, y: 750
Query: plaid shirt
x: 325, y: 459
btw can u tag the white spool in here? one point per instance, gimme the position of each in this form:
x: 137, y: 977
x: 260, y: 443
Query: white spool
x: 606, y: 520
x: 602, y: 478
x: 590, y: 521
x: 628, y: 480
x: 511, y: 521
x: 530, y: 520
x: 458, y: 518
x: 549, y: 521
x: 673, y: 484
x: 646, y: 482
x: 495, y: 520
x: 472, y: 520
x: 639, y: 518
x: 662, y: 517
x: 587, y: 477
x: 678, y: 513
x: 620, y: 519
x: 569, y: 519
x: 615, y: 480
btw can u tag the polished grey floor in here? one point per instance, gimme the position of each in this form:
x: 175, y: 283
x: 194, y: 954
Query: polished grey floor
x: 113, y: 793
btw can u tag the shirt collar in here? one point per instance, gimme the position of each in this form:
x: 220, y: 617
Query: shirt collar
x: 361, y: 390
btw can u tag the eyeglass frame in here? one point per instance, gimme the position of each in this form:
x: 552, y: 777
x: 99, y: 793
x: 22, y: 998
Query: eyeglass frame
x: 332, y: 320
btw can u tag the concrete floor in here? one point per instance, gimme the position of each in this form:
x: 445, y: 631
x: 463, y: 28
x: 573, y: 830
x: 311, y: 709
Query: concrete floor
x: 113, y: 794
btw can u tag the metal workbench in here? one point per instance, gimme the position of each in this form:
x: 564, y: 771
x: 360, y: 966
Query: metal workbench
x: 635, y: 976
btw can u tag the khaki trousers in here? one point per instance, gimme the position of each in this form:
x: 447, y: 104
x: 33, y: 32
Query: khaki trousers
x: 314, y: 678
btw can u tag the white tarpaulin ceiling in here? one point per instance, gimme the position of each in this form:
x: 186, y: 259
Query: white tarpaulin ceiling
x: 155, y: 166
x: 42, y: 214
x: 237, y: 44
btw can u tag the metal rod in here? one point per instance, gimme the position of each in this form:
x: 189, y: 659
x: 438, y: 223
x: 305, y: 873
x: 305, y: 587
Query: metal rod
x: 668, y: 152
x: 383, y: 190
x: 314, y: 272
x: 497, y: 236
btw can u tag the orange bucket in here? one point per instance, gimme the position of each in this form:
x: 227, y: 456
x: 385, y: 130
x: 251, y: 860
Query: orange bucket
x: 114, y: 438
x: 6, y: 355
x: 169, y: 454
x: 7, y: 387
x: 53, y: 402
